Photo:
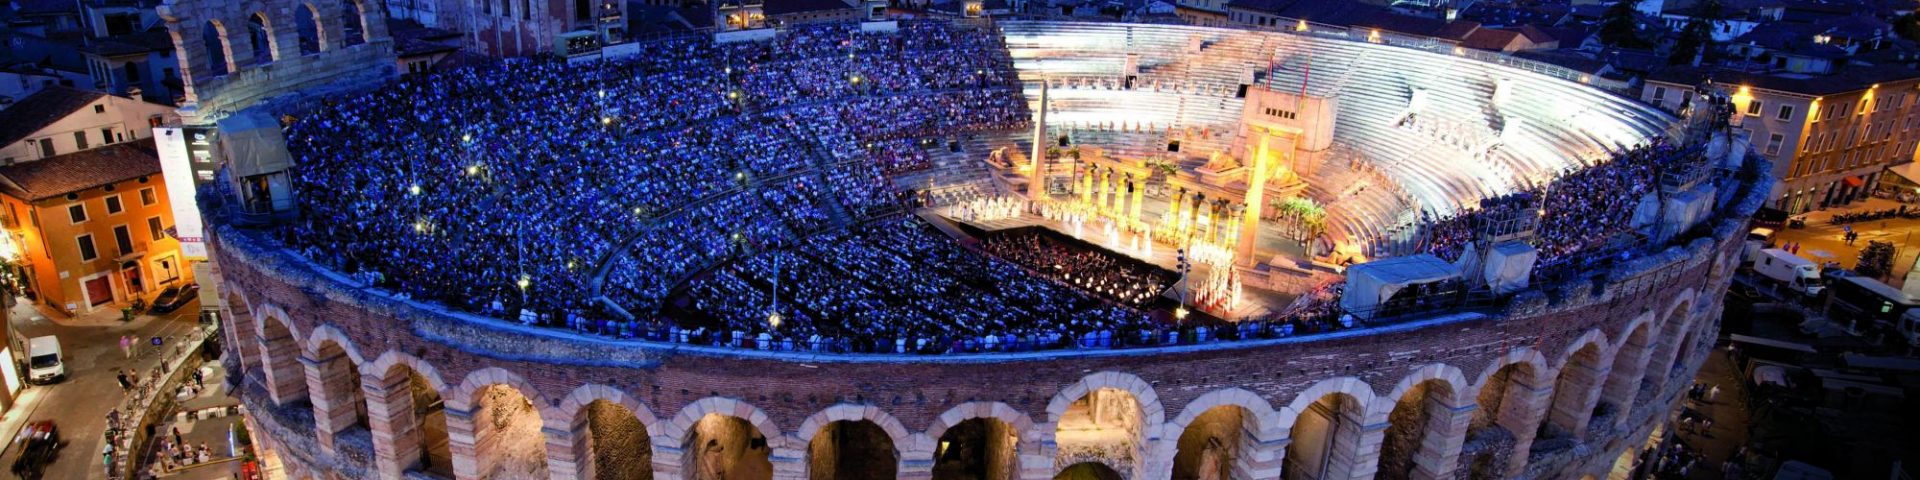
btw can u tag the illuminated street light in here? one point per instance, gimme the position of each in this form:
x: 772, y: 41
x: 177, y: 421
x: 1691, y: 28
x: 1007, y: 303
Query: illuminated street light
x: 413, y: 189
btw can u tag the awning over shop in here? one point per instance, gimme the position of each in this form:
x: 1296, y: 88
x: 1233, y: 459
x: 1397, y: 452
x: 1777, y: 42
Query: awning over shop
x: 1854, y: 181
x: 1909, y: 171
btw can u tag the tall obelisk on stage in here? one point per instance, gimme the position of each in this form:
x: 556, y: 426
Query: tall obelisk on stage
x: 1037, y: 184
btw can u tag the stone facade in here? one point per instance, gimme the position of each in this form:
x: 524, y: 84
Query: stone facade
x: 335, y: 54
x: 1559, y: 383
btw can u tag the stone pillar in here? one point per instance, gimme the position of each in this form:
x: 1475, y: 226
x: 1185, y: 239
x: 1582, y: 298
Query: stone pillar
x: 667, y: 460
x: 1086, y: 187
x: 1262, y: 459
x: 1036, y: 456
x: 915, y: 464
x: 332, y: 388
x: 1105, y: 184
x: 285, y: 33
x: 1520, y: 414
x: 1366, y: 460
x: 1256, y: 199
x: 396, y: 432
x: 463, y: 441
x: 331, y: 27
x: 1139, y: 192
x: 1623, y: 379
x: 1440, y: 446
x: 1574, y: 397
x: 569, y: 455
x: 789, y: 463
x: 286, y: 380
x: 1036, y: 184
x: 1179, y: 216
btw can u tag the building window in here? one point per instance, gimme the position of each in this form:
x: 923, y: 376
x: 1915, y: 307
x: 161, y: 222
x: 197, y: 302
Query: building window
x: 87, y: 253
x: 46, y: 147
x: 113, y: 205
x: 154, y: 228
x: 123, y: 238
x: 148, y: 197
x: 1753, y: 108
x: 100, y: 108
x: 1659, y: 93
x: 1773, y: 143
x: 80, y: 140
x: 106, y: 136
x: 77, y: 212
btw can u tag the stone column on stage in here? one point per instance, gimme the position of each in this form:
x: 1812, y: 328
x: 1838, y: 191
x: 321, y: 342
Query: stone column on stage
x: 1104, y: 183
x: 1036, y: 184
x: 1256, y: 198
x: 1179, y: 211
x: 1086, y: 186
x: 1139, y: 189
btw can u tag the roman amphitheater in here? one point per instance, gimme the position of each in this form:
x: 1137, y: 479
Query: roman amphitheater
x: 633, y: 348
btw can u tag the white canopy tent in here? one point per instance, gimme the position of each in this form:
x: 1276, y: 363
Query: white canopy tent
x: 1371, y: 284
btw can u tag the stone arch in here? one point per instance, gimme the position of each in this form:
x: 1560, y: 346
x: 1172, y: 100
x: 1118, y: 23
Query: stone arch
x: 334, y: 382
x: 311, y: 28
x: 353, y: 23
x: 1690, y: 338
x: 407, y: 416
x: 853, y: 441
x: 503, y: 425
x: 980, y: 440
x: 718, y: 434
x: 611, y: 433
x: 279, y: 345
x: 1674, y: 318
x: 1582, y: 371
x: 219, y: 48
x: 1511, y: 396
x: 1425, y: 425
x: 260, y: 38
x: 1217, y: 436
x: 1630, y: 354
x: 1106, y: 417
x: 1141, y: 390
x: 1325, y: 425
x: 242, y: 333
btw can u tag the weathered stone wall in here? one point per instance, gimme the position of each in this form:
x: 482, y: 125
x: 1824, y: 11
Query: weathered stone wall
x: 280, y: 67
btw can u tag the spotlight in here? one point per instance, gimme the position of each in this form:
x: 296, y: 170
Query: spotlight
x: 413, y: 189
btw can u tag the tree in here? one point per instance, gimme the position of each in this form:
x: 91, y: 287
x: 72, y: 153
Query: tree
x: 1876, y: 261
x: 1696, y: 37
x: 1619, y: 27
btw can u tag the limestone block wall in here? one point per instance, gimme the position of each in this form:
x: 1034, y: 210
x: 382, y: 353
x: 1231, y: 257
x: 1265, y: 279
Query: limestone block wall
x: 252, y: 74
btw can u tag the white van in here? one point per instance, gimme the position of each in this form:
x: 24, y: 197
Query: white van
x: 45, y: 362
x: 1796, y: 272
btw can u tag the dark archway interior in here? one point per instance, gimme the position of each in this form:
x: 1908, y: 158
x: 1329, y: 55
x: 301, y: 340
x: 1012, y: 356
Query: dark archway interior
x: 852, y: 450
x: 621, y: 449
x: 726, y: 448
x: 1209, y: 446
x: 1088, y: 471
x: 976, y: 449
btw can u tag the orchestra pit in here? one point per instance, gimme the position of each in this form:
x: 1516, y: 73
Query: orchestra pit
x: 960, y: 249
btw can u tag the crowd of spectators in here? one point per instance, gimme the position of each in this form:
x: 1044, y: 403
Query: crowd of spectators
x: 501, y: 186
x: 1123, y: 279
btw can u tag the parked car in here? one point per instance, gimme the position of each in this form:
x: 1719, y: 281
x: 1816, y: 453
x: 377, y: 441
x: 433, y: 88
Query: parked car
x: 174, y: 297
x: 39, y: 445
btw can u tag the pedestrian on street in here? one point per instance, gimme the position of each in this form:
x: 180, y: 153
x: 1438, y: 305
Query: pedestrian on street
x: 1713, y: 392
x: 126, y: 345
x: 176, y: 436
x: 124, y: 384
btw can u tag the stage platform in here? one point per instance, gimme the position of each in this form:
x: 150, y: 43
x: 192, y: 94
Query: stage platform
x: 1255, y: 301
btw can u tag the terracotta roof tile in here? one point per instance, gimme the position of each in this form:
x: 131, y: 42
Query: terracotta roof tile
x: 73, y: 172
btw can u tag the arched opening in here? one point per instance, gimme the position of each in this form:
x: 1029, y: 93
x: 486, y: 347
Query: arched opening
x: 1088, y: 471
x: 279, y: 352
x: 722, y: 447
x: 1671, y: 334
x: 1502, y: 416
x: 618, y: 442
x: 260, y: 37
x: 307, y: 20
x: 1623, y: 379
x: 416, y: 419
x: 1623, y: 467
x: 214, y: 37
x: 1686, y: 349
x: 1107, y: 425
x: 1214, y: 445
x: 507, y: 442
x: 977, y: 449
x: 1410, y: 443
x: 852, y: 449
x: 1573, y: 394
x: 240, y: 328
x: 352, y: 32
x: 1325, y: 439
x: 341, y: 402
